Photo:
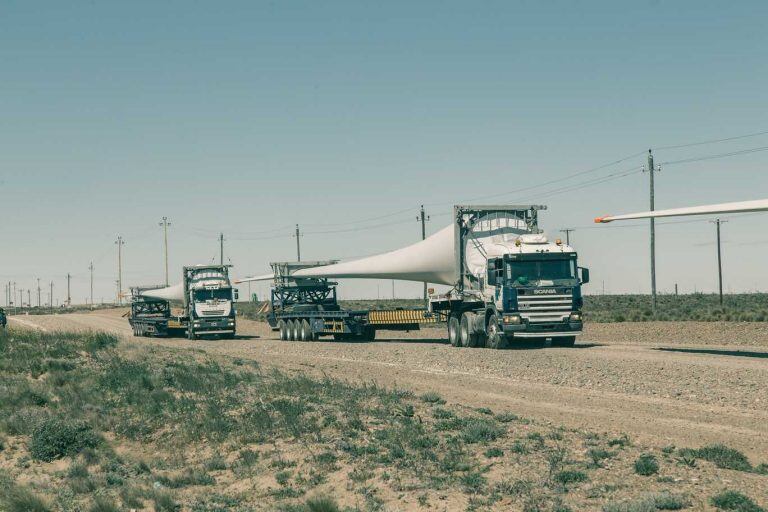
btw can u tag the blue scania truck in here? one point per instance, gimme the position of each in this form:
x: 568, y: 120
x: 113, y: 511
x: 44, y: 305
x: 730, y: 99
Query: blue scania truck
x: 528, y: 290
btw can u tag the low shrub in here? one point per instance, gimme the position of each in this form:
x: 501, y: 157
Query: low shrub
x: 571, y: 477
x: 724, y: 457
x: 481, y: 430
x: 646, y: 465
x: 20, y: 499
x: 736, y: 501
x: 57, y: 437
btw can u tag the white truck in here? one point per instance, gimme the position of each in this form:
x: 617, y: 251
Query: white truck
x: 208, y: 305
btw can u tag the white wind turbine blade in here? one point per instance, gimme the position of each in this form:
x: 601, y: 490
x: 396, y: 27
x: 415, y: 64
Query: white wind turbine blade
x: 759, y: 205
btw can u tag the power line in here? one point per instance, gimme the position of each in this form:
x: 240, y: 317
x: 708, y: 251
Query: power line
x: 711, y: 141
x: 719, y: 155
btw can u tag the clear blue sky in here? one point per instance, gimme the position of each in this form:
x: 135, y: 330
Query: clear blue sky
x: 245, y: 117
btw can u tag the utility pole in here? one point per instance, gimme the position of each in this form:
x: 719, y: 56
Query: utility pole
x: 717, y: 223
x: 38, y: 292
x: 651, y: 169
x: 69, y: 296
x: 423, y: 218
x: 15, y: 308
x: 120, y: 244
x: 567, y: 232
x: 298, y: 243
x: 90, y: 267
x: 165, y: 225
x: 29, y: 298
x: 221, y: 249
x: 51, y: 301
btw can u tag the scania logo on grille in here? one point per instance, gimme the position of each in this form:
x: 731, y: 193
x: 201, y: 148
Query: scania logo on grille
x: 544, y: 291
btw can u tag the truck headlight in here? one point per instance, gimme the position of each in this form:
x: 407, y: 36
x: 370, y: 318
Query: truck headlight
x: 575, y: 317
x: 512, y: 319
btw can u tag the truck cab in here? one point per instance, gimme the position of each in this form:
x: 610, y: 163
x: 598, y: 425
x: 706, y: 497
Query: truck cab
x: 536, y: 290
x: 209, y: 298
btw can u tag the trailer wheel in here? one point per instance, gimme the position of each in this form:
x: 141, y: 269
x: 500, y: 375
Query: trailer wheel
x: 454, y: 331
x: 468, y: 337
x: 283, y: 330
x: 564, y: 341
x: 289, y: 330
x: 296, y: 331
x: 305, y: 332
x: 495, y: 336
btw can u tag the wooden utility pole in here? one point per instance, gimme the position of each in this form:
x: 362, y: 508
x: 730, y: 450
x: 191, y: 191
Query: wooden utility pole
x: 51, y: 301
x: 717, y: 223
x: 567, y: 232
x: 423, y: 218
x: 90, y: 267
x: 38, y: 292
x: 165, y: 225
x: 298, y: 243
x: 221, y: 248
x: 69, y: 296
x: 120, y: 244
x: 651, y: 170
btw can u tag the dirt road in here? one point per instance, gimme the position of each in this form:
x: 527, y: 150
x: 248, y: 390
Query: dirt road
x: 687, y: 391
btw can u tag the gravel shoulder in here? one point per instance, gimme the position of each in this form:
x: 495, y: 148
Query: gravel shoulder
x: 687, y: 383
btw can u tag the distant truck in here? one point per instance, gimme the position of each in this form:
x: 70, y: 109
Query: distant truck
x: 208, y: 306
x: 3, y: 318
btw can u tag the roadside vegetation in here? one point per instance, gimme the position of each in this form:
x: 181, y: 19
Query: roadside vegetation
x: 88, y: 422
x: 747, y: 307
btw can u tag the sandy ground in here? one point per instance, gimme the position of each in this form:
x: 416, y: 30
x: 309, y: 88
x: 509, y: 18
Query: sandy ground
x: 686, y: 383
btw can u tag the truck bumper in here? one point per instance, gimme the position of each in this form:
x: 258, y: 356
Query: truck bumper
x: 543, y: 331
x: 211, y: 326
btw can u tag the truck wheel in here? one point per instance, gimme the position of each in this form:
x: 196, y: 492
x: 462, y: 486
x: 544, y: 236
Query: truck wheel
x: 468, y: 337
x: 283, y: 330
x: 305, y: 332
x: 296, y: 330
x: 338, y: 337
x: 190, y: 333
x: 564, y: 341
x: 495, y: 336
x: 454, y: 331
x: 289, y: 330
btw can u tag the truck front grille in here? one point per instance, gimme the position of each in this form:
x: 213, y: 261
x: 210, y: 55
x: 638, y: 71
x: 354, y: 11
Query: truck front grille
x: 215, y: 312
x: 545, y: 308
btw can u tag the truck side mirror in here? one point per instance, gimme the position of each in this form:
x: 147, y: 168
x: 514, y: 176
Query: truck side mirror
x: 491, y: 281
x: 237, y: 294
x: 584, y: 275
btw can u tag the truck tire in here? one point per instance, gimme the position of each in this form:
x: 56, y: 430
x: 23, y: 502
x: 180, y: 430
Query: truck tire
x: 454, y: 331
x: 564, y: 341
x: 305, y: 331
x: 190, y: 333
x: 494, y: 335
x: 468, y: 337
x: 289, y: 330
x: 283, y: 329
x: 296, y: 331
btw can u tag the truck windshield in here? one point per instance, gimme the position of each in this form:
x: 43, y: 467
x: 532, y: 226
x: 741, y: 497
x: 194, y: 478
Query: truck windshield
x: 222, y: 294
x: 522, y: 272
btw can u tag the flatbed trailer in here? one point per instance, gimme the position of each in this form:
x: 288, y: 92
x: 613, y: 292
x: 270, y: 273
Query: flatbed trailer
x: 305, y: 309
x: 151, y: 317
